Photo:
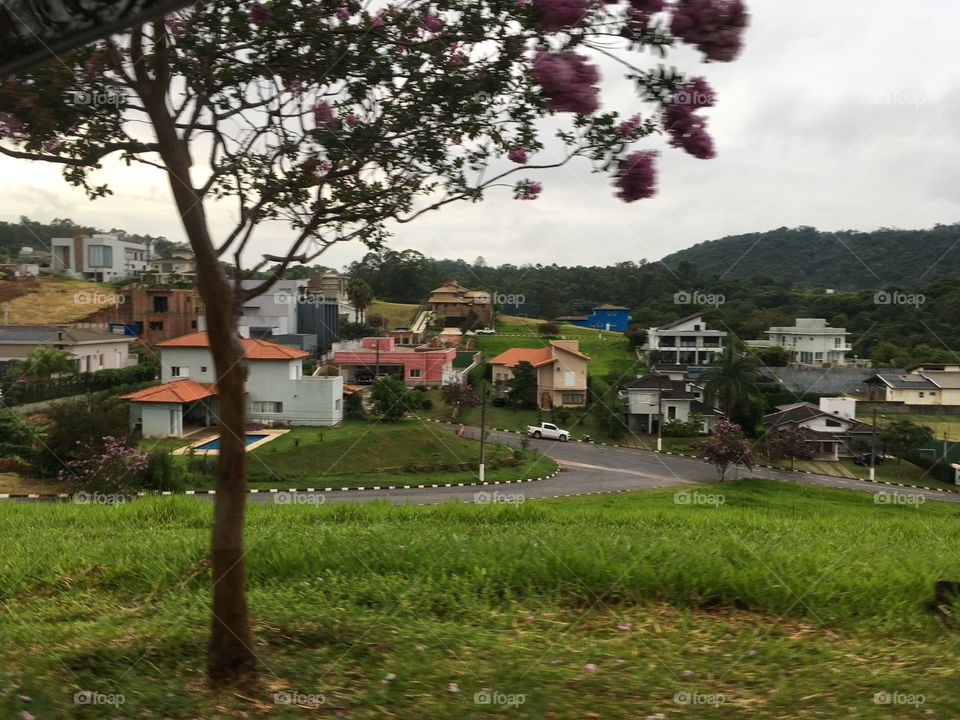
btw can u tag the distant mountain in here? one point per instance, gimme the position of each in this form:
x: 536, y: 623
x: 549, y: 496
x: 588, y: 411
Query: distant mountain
x: 843, y: 260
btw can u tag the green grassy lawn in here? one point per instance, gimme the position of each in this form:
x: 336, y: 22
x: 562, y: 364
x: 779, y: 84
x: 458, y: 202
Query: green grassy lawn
x: 784, y: 601
x: 396, y: 313
x: 363, y: 453
x: 939, y: 424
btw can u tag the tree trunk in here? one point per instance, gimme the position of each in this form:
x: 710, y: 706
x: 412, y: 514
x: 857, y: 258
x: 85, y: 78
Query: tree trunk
x: 230, y: 656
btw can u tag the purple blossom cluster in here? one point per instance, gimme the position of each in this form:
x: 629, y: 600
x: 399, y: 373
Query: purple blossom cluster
x: 636, y: 178
x: 323, y: 114
x: 518, y: 154
x: 260, y: 14
x: 631, y: 127
x: 688, y: 130
x: 111, y: 467
x: 9, y: 125
x: 527, y: 190
x: 431, y: 22
x: 714, y: 26
x: 567, y: 81
x: 556, y: 15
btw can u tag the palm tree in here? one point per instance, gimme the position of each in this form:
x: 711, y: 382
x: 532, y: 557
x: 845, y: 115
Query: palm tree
x: 731, y: 380
x: 360, y: 296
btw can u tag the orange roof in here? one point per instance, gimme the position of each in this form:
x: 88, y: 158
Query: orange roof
x: 252, y: 349
x: 534, y: 356
x: 176, y: 391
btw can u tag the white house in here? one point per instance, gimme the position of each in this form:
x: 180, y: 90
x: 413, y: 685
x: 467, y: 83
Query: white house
x: 103, y: 258
x: 921, y: 385
x: 829, y: 427
x: 810, y: 341
x: 661, y: 398
x: 277, y: 391
x: 91, y: 349
x: 686, y: 341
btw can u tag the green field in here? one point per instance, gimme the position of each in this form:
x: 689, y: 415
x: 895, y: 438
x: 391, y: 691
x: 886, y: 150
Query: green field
x: 782, y: 601
x: 401, y: 314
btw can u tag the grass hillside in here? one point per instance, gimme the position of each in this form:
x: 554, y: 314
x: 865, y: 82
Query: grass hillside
x: 781, y: 601
x: 53, y: 300
x: 396, y: 313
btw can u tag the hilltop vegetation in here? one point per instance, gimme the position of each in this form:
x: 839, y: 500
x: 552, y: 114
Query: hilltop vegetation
x: 845, y: 259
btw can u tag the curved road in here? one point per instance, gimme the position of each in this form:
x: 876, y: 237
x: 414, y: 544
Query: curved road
x: 589, y: 468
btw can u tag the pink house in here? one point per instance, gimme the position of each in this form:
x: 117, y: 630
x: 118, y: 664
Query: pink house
x: 415, y: 365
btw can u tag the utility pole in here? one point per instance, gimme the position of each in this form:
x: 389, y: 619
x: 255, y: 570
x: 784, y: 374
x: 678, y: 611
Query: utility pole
x: 659, y: 417
x: 873, y: 446
x: 483, y: 426
x: 377, y: 373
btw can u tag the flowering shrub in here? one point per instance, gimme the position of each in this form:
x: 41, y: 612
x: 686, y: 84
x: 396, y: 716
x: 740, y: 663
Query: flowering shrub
x: 113, y: 466
x: 726, y: 447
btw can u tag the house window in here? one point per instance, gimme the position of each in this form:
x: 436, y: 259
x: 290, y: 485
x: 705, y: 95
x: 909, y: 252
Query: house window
x: 160, y: 303
x: 834, y: 423
x: 99, y: 256
x: 573, y: 398
x: 156, y: 325
x: 267, y: 407
x: 178, y: 371
x: 671, y: 412
x: 296, y: 371
x: 336, y: 405
x: 920, y: 394
x: 203, y: 368
x: 414, y: 372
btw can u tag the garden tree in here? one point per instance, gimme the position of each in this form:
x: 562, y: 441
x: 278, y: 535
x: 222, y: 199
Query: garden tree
x: 360, y: 296
x: 336, y: 120
x: 392, y: 399
x: 378, y: 321
x: 43, y: 363
x: 774, y: 356
x: 458, y: 396
x: 77, y: 429
x: 16, y: 437
x: 790, y: 443
x: 605, y: 407
x: 522, y: 386
x: 731, y: 380
x: 353, y: 406
x: 726, y: 447
x: 548, y: 328
x: 904, y: 438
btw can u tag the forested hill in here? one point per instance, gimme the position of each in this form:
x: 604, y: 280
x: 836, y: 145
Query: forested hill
x: 843, y: 260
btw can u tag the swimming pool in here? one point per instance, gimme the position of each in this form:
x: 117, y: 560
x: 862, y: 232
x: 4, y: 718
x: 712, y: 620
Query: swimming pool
x: 214, y: 444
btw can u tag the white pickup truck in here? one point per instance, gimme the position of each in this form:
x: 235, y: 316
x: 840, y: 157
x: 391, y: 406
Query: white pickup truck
x: 548, y: 431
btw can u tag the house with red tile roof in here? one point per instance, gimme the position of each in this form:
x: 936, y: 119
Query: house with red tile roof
x: 561, y: 372
x: 421, y: 365
x: 276, y: 390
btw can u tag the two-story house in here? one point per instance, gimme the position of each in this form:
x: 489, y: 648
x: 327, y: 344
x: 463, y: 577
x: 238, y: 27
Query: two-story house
x: 687, y: 341
x: 277, y: 391
x: 810, y: 341
x: 91, y: 350
x: 561, y: 372
x: 829, y: 428
x: 652, y: 401
x: 456, y: 304
x: 430, y: 365
x: 103, y: 258
x: 176, y: 265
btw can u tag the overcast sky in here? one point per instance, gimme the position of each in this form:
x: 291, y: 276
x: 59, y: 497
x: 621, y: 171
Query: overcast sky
x: 837, y: 115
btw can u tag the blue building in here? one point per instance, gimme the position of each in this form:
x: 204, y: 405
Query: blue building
x: 603, y: 317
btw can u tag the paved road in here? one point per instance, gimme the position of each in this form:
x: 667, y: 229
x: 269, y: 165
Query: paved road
x: 589, y: 468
